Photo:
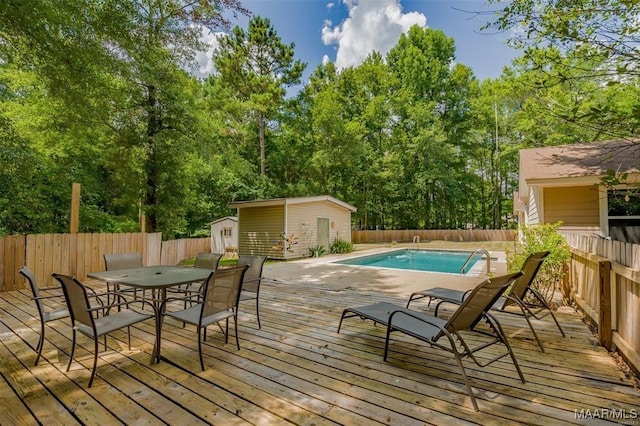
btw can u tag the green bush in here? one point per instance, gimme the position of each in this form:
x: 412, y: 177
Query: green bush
x: 317, y: 251
x: 542, y: 238
x: 341, y: 246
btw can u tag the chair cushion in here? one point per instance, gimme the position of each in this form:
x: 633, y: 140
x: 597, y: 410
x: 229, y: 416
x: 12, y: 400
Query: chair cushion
x: 443, y: 294
x: 114, y: 322
x: 54, y: 315
x: 192, y: 316
x: 380, y: 312
x: 248, y: 295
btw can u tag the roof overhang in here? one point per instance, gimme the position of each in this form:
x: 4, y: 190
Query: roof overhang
x: 222, y: 219
x: 577, y: 165
x: 291, y: 201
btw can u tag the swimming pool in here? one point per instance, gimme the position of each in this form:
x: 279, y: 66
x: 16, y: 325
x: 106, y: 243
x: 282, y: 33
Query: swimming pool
x: 418, y: 260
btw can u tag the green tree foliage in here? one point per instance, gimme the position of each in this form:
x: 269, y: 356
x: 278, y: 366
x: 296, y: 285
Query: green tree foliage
x: 99, y: 93
x: 258, y: 67
x: 118, y: 68
x: 534, y: 239
x: 587, y: 51
x: 432, y: 105
x: 603, y: 32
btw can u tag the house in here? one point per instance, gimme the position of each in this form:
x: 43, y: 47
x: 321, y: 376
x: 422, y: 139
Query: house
x: 285, y: 228
x: 566, y: 183
x: 224, y: 235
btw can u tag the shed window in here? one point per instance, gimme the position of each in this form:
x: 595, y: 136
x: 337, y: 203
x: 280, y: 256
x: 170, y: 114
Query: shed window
x: 227, y: 232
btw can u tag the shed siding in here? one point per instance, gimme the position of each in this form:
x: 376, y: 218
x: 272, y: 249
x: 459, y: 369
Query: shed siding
x: 576, y: 206
x: 303, y: 223
x: 220, y: 243
x: 260, y: 229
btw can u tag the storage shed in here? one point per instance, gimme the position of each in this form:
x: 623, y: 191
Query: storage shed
x: 224, y: 235
x: 285, y: 228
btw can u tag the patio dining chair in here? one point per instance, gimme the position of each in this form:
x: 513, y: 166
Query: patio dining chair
x: 204, y: 260
x: 449, y: 334
x: 530, y: 302
x: 220, y: 298
x: 118, y: 261
x: 252, y: 279
x: 45, y: 315
x: 85, y: 321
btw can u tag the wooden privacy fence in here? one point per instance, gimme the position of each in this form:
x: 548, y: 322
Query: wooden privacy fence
x: 604, y: 282
x: 78, y: 254
x: 174, y: 251
x: 406, y: 235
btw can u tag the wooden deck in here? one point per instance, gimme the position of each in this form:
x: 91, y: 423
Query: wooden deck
x: 298, y: 370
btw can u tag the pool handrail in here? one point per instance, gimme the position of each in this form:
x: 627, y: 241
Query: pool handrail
x: 480, y: 250
x: 416, y: 241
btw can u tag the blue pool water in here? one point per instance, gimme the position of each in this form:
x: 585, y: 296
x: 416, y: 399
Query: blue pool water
x: 418, y: 260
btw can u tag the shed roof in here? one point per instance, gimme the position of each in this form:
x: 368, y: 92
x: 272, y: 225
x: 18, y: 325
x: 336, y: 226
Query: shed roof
x: 586, y: 161
x: 222, y: 219
x: 289, y: 201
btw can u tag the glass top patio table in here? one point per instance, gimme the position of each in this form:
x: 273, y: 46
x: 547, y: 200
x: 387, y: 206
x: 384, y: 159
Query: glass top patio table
x: 154, y: 278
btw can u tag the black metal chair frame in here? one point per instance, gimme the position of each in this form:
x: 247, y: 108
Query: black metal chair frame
x: 252, y: 280
x: 199, y: 314
x: 430, y: 329
x: 520, y: 295
x: 44, y: 315
x: 117, y: 261
x: 83, y: 317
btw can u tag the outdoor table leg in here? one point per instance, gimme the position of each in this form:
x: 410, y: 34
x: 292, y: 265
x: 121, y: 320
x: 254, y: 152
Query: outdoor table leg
x: 160, y: 307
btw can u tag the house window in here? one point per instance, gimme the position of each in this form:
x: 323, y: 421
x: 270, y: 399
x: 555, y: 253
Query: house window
x: 226, y: 232
x: 623, y: 211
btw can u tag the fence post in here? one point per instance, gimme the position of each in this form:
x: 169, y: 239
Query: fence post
x: 75, y: 208
x: 604, y: 316
x: 565, y: 282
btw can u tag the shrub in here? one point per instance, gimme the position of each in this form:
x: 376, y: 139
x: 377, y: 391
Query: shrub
x: 317, y: 251
x: 542, y: 238
x: 341, y: 246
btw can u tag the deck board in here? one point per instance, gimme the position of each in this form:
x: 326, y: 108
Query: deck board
x: 298, y: 370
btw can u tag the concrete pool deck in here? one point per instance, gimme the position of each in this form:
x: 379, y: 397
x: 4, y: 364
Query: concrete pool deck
x: 322, y: 272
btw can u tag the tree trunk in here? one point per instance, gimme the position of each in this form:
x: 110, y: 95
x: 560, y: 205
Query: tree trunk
x: 151, y: 168
x: 263, y: 155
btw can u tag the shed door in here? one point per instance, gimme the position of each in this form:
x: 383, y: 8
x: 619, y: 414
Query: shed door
x: 323, y: 232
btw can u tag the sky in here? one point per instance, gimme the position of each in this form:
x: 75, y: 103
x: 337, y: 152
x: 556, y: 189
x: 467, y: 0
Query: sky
x: 346, y: 31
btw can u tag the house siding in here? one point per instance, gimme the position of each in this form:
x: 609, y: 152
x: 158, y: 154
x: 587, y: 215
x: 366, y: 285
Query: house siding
x: 303, y: 224
x: 533, y: 217
x: 578, y: 207
x: 260, y: 229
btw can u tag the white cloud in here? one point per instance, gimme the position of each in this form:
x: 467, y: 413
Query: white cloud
x: 325, y: 60
x: 204, y: 59
x: 372, y: 25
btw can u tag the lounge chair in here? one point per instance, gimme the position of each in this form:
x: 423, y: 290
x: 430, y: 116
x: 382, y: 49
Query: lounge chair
x: 433, y: 330
x: 530, y: 302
